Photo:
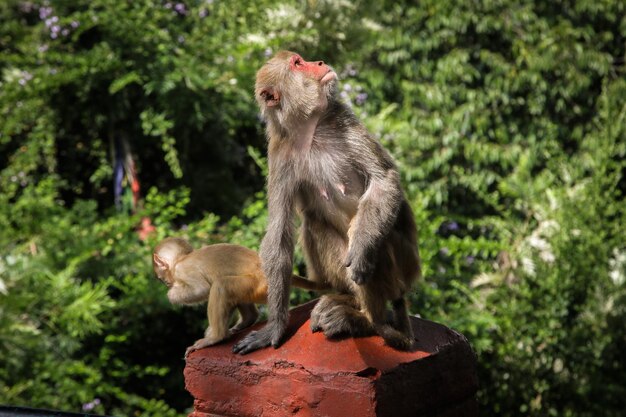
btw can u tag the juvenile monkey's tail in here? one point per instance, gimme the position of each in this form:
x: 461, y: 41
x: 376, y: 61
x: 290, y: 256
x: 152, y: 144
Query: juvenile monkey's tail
x: 306, y: 284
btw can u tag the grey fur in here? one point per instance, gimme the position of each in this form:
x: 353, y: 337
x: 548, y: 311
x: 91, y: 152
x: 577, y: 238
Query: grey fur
x: 358, y: 232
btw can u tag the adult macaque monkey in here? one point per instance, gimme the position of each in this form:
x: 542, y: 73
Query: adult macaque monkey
x: 228, y: 276
x: 358, y: 231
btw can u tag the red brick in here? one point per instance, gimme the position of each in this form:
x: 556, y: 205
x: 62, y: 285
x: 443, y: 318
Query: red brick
x: 310, y: 375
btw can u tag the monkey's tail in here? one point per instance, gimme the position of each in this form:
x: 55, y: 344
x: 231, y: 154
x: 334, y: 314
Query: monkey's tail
x: 306, y: 284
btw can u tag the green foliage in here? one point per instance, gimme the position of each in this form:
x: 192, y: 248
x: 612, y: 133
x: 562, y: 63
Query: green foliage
x: 507, y: 120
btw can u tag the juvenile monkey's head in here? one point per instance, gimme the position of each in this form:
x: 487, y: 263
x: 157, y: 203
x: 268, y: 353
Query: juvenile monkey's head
x: 166, y: 254
x: 289, y: 89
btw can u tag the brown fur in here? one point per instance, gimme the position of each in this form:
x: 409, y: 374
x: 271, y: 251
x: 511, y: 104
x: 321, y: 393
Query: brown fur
x: 228, y: 276
x: 358, y: 232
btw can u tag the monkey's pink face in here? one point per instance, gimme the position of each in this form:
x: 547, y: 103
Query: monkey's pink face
x: 317, y: 70
x: 290, y: 85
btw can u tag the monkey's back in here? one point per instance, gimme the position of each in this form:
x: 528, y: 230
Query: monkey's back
x: 227, y: 259
x: 236, y: 268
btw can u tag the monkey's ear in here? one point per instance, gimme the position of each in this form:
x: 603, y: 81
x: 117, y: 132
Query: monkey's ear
x: 160, y: 262
x: 271, y: 96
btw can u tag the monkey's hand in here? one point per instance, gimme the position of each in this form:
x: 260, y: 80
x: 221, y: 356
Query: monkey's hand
x: 360, y: 267
x: 271, y: 334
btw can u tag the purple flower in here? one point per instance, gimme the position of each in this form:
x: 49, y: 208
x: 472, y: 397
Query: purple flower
x: 44, y: 12
x: 180, y: 9
x: 75, y: 24
x: 347, y: 87
x: 49, y: 22
x: 91, y: 405
x: 452, y: 226
x: 267, y: 52
x: 43, y: 48
x: 361, y: 98
x: 470, y: 259
x: 65, y: 32
x: 168, y: 5
x: 181, y: 39
x: 203, y: 13
x: 55, y: 29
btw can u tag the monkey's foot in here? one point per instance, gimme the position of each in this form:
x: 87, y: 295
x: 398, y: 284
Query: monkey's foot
x: 341, y: 320
x: 268, y: 335
x: 202, y: 343
x: 395, y: 338
x: 319, y: 314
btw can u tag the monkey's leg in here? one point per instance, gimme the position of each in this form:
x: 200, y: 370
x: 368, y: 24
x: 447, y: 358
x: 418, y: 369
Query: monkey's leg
x: 336, y: 316
x: 393, y: 337
x: 374, y: 309
x: 249, y: 314
x: 218, y: 311
x: 401, y: 317
x: 276, y: 255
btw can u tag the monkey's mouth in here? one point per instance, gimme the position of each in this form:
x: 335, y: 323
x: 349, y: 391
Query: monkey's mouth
x: 328, y: 77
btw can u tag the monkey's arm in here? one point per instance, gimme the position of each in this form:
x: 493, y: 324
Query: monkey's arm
x: 276, y: 255
x: 377, y: 211
x: 191, y: 284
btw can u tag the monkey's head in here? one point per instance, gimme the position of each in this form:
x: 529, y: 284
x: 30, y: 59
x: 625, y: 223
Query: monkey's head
x: 290, y: 89
x: 165, y: 255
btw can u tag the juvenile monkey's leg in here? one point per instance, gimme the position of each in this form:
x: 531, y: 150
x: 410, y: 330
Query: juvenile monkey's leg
x: 218, y: 311
x: 249, y: 314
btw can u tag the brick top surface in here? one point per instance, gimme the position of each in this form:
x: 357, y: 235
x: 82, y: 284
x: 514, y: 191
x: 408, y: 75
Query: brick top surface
x: 313, y: 351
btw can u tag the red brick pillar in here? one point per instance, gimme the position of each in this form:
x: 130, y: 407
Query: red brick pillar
x: 355, y: 377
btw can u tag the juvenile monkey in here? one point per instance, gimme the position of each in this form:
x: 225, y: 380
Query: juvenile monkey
x: 228, y: 276
x: 358, y: 232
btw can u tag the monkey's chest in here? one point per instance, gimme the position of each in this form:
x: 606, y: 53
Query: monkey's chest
x: 329, y: 190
